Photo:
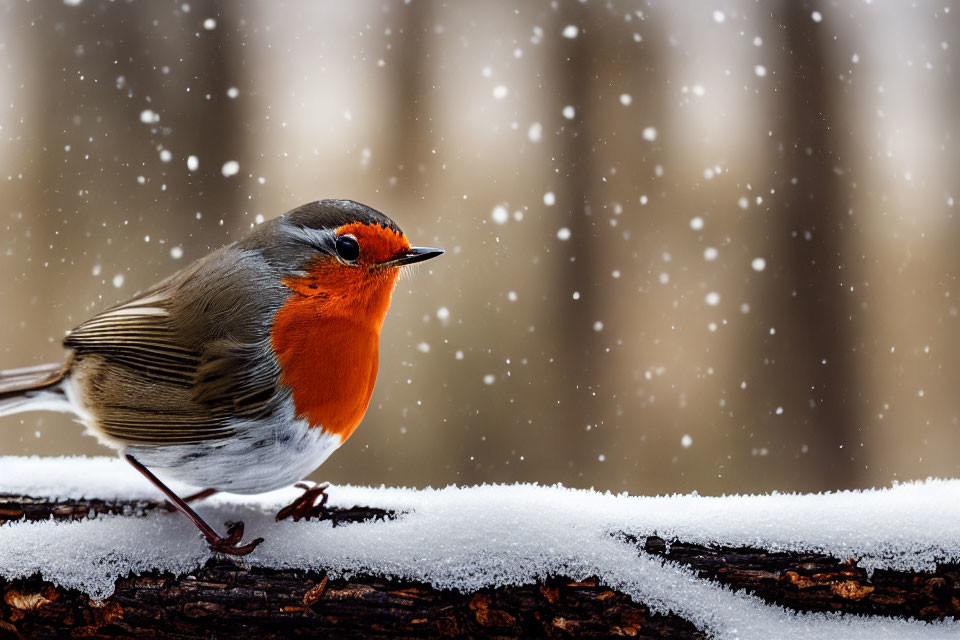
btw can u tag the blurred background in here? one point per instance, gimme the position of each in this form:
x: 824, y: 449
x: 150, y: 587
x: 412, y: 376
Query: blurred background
x: 690, y: 246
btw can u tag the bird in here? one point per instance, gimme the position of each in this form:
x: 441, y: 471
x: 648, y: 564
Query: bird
x: 243, y: 371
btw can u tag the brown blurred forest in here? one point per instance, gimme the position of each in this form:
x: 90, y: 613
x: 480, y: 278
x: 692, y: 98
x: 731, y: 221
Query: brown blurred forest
x: 691, y: 246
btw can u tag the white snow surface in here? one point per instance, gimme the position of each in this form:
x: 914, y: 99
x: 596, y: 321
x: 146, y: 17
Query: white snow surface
x: 471, y: 537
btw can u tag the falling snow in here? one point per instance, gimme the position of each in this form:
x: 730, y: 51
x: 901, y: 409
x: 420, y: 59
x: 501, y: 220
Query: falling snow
x: 230, y: 168
x: 535, y: 132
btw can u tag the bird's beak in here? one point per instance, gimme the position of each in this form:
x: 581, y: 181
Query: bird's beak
x: 413, y: 254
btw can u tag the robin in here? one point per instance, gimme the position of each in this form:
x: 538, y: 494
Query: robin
x: 244, y: 371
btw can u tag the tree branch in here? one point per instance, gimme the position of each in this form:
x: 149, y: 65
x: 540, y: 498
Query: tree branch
x: 224, y: 598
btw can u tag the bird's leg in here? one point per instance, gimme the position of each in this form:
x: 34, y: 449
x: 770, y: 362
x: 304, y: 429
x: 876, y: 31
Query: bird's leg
x: 303, y: 508
x: 227, y: 545
x: 193, y: 497
x: 200, y: 495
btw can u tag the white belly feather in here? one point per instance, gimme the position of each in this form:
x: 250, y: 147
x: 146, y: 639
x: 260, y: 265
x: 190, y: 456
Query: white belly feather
x: 261, y: 455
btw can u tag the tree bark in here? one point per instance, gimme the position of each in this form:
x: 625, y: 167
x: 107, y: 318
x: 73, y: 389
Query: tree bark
x: 226, y: 599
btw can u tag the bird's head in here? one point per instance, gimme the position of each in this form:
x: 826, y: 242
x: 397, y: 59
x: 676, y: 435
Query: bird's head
x: 342, y: 255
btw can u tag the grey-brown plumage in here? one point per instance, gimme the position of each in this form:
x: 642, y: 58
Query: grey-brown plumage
x: 184, y: 377
x: 164, y: 367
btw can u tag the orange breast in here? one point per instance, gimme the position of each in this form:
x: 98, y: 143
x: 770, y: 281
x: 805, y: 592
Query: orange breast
x: 327, y: 347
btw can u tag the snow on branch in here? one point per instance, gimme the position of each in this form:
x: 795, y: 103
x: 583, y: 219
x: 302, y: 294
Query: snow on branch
x: 506, y: 559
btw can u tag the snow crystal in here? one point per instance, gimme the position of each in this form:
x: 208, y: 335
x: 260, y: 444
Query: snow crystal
x: 72, y: 3
x: 696, y: 223
x: 626, y: 99
x: 650, y: 134
x: 549, y: 198
x: 489, y: 379
x: 757, y: 41
x: 443, y: 314
x: 512, y: 296
x: 259, y: 218
x: 816, y: 16
x: 209, y: 24
x: 148, y: 116
x: 176, y: 252
x: 569, y: 112
x: 230, y: 168
x: 571, y: 31
x: 686, y: 441
x: 743, y: 202
x: 719, y: 16
x: 193, y: 163
x: 710, y: 254
x: 563, y: 233
x: 233, y: 92
x: 598, y: 326
x: 165, y: 155
x: 493, y: 535
x: 500, y: 92
x: 500, y: 215
x: 535, y: 132
x: 758, y: 264
x: 712, y: 298
x: 760, y: 70
x: 118, y: 280
x: 423, y: 347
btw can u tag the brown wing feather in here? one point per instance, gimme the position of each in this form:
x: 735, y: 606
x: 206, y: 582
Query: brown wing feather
x: 162, y: 377
x: 17, y: 381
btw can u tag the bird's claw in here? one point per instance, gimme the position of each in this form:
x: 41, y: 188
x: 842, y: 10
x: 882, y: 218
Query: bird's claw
x: 303, y: 508
x: 231, y: 543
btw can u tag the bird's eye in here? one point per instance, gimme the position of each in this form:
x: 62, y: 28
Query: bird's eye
x: 347, y: 248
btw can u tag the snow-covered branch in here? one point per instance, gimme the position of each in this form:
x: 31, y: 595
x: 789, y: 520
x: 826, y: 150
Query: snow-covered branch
x: 94, y: 548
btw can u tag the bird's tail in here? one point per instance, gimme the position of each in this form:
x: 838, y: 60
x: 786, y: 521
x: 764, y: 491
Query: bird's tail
x: 39, y: 388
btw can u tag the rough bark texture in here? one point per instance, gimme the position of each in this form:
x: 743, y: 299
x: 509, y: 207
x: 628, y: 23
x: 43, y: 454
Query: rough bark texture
x: 226, y: 599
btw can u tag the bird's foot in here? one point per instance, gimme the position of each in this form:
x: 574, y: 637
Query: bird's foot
x: 231, y: 543
x: 306, y: 506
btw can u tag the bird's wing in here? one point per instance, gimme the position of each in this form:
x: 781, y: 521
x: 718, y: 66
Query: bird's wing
x: 158, y: 381
x: 139, y: 334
